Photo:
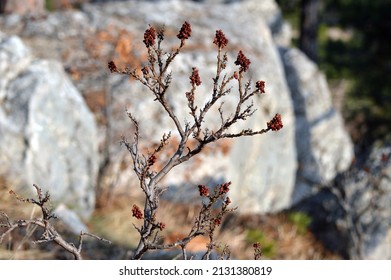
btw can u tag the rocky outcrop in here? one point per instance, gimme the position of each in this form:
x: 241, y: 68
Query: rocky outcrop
x: 352, y: 215
x: 47, y: 134
x: 263, y: 169
x: 269, y: 172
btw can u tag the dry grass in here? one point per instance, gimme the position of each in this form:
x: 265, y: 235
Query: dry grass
x: 115, y: 222
x: 18, y: 245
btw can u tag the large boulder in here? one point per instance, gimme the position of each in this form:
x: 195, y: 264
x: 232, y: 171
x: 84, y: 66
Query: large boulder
x: 324, y: 147
x: 47, y: 133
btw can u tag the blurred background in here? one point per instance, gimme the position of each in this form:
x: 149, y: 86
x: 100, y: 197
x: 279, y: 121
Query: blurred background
x: 318, y: 189
x: 350, y: 43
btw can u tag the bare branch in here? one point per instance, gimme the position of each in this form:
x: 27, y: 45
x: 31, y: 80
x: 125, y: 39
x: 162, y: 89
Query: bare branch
x: 49, y: 234
x: 157, y: 79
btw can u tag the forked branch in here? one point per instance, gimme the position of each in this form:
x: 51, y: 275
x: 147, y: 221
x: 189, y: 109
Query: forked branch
x: 49, y: 232
x: 156, y: 78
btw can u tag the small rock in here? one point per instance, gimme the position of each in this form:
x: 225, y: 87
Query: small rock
x: 70, y: 219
